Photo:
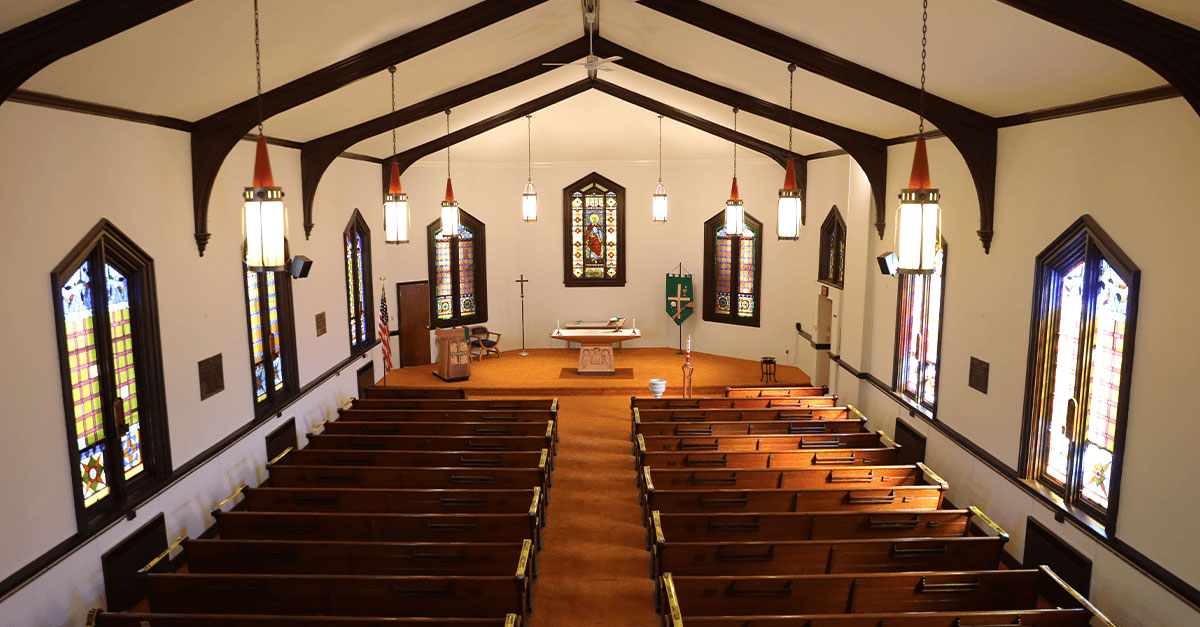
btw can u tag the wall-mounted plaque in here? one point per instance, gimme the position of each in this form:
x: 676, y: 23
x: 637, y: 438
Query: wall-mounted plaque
x: 212, y: 376
x: 978, y: 377
x: 320, y: 324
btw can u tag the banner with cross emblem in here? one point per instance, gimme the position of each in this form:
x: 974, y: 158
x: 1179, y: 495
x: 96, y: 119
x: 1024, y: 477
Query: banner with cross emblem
x: 679, y: 297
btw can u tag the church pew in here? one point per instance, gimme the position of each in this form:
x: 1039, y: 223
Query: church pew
x: 772, y: 459
x: 768, y: 391
x: 769, y: 427
x: 938, y: 596
x: 1070, y: 617
x: 284, y: 475
x: 788, y: 478
x: 500, y: 404
x: 141, y: 619
x: 462, y: 443
x: 760, y: 443
x: 476, y: 429
x: 386, y: 391
x: 478, y: 596
x: 437, y: 459
x: 833, y: 525
x: 329, y: 526
x: 666, y: 402
x: 641, y: 415
x: 497, y: 417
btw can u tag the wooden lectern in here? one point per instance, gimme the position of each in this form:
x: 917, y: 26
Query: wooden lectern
x: 454, y: 354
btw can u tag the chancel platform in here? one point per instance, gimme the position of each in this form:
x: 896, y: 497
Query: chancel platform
x: 595, y: 350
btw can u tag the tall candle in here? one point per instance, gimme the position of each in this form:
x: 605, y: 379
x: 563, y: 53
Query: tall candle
x: 689, y: 349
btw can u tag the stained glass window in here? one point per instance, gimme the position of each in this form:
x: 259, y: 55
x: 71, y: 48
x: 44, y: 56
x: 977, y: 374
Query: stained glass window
x: 920, y: 333
x: 359, y: 302
x: 1085, y: 288
x: 272, y: 338
x: 733, y: 270
x: 594, y: 209
x: 831, y: 264
x: 111, y: 371
x: 457, y: 273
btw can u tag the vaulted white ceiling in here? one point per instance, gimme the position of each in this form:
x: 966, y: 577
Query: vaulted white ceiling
x: 199, y: 59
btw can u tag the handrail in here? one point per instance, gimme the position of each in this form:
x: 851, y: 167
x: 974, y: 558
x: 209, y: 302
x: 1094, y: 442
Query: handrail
x: 230, y: 497
x: 673, y: 612
x: 933, y: 476
x: 888, y: 442
x: 523, y: 562
x: 158, y: 558
x: 1087, y: 605
x: 278, y: 457
x: 855, y: 410
x: 989, y: 522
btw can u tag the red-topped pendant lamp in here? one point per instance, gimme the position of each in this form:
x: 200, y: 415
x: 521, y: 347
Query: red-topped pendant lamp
x: 395, y: 202
x: 264, y: 218
x: 734, y: 211
x: 449, y: 205
x: 790, y: 214
x: 919, y: 216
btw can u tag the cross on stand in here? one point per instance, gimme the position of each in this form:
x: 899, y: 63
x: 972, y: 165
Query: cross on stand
x: 522, y: 281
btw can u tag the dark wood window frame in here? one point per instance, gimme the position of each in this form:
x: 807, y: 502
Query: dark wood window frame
x: 833, y: 236
x: 276, y: 399
x: 361, y: 287
x: 1084, y: 241
x: 580, y: 186
x: 711, y: 227
x: 479, y: 240
x: 916, y: 402
x: 107, y: 244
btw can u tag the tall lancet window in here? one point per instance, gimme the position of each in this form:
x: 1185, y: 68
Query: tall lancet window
x: 831, y: 264
x: 733, y: 271
x: 1085, y: 313
x: 356, y: 244
x: 919, y: 332
x: 457, y: 273
x: 110, y: 357
x: 272, y: 338
x: 593, y: 233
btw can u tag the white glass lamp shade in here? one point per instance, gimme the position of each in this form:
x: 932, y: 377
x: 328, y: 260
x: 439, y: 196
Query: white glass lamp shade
x: 449, y: 218
x: 264, y: 223
x: 658, y: 208
x: 395, y: 218
x: 529, y: 203
x: 790, y: 207
x: 734, y: 218
x: 918, y: 231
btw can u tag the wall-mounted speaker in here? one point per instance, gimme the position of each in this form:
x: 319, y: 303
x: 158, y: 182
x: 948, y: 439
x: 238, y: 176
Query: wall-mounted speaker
x: 887, y: 263
x: 798, y: 328
x: 300, y: 266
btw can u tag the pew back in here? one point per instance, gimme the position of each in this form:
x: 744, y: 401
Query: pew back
x: 385, y: 391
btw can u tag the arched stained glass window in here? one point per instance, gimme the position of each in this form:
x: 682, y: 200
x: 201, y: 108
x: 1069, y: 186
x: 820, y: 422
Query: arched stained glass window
x: 831, y: 265
x: 356, y: 244
x: 593, y: 233
x: 919, y: 332
x: 112, y: 372
x: 1078, y: 386
x: 272, y: 338
x: 457, y: 273
x: 733, y: 272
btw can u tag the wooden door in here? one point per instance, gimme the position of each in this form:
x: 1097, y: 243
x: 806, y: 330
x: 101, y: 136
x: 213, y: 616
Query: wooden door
x: 412, y: 315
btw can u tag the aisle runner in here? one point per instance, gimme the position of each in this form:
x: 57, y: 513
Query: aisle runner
x: 594, y: 568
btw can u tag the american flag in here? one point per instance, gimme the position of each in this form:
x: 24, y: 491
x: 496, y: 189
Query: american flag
x: 383, y: 332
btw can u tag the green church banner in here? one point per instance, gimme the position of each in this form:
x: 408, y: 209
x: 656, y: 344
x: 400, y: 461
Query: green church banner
x: 679, y: 297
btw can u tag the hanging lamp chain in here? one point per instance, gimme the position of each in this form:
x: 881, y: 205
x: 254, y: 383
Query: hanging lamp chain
x: 529, y: 145
x: 447, y: 143
x: 924, y: 32
x: 660, y: 148
x: 791, y: 97
x: 735, y: 143
x: 258, y: 70
x: 392, y: 70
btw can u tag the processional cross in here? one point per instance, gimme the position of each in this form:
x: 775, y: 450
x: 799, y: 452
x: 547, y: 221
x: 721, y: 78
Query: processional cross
x: 522, y: 281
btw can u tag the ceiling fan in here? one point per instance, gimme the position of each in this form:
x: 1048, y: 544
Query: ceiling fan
x: 592, y: 63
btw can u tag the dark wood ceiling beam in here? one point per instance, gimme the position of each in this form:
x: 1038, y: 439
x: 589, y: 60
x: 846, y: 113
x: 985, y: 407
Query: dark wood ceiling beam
x: 973, y: 133
x: 869, y: 151
x: 1165, y: 46
x: 776, y: 153
x: 28, y: 48
x: 214, y: 136
x: 406, y: 158
x: 317, y: 154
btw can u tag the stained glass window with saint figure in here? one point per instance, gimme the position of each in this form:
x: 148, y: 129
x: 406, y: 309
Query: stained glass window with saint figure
x: 457, y: 272
x: 594, y: 233
x: 734, y: 272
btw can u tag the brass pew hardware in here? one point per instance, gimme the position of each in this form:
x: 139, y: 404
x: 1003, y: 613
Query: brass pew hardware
x: 730, y: 480
x: 647, y: 481
x: 549, y: 428
x: 472, y: 445
x: 752, y: 525
x: 451, y: 526
x: 161, y: 556
x: 641, y: 443
x: 933, y: 476
x: 488, y: 478
x: 449, y: 500
x: 900, y: 551
x: 872, y: 523
x: 707, y: 500
x: 782, y: 591
x: 725, y: 555
x: 401, y: 591
x: 886, y: 499
x: 835, y: 478
x: 975, y: 511
x: 229, y: 498
x: 948, y: 586
x: 722, y: 462
x: 673, y: 611
x: 523, y: 561
x: 888, y: 442
x: 679, y: 430
x: 537, y: 499
x: 659, y: 538
x: 817, y: 460
x: 510, y: 620
x: 854, y: 409
x: 275, y: 460
x: 493, y: 431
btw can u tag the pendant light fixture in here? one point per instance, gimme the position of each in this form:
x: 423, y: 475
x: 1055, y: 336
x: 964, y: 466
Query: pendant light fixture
x: 791, y: 208
x: 919, y: 217
x: 264, y: 218
x: 529, y: 195
x: 658, y: 207
x: 734, y: 213
x: 395, y: 202
x: 449, y: 205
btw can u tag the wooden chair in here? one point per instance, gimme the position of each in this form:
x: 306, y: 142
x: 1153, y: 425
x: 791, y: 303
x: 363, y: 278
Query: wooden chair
x: 484, y: 342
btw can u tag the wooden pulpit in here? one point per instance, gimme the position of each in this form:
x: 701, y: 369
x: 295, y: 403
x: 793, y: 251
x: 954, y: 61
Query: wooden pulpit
x: 454, y: 354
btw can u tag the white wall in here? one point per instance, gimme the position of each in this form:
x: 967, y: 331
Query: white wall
x: 1132, y: 170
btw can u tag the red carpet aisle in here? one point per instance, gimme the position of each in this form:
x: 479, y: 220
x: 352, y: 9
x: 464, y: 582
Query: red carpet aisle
x: 594, y: 568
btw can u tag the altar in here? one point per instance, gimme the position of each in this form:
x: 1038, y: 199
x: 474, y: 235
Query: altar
x: 595, y: 350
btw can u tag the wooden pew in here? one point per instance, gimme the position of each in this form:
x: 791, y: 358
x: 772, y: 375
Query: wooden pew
x: 787, y: 478
x: 500, y: 404
x: 497, y: 418
x: 478, y: 596
x: 983, y: 594
x: 386, y: 391
x: 769, y: 526
x: 284, y: 476
x: 768, y: 391
x: 426, y: 443
x: 769, y: 427
x: 1070, y: 617
x: 760, y: 443
x: 329, y: 526
x: 473, y: 429
x: 733, y: 414
x: 772, y: 459
x: 137, y: 619
x: 731, y: 403
x: 434, y: 459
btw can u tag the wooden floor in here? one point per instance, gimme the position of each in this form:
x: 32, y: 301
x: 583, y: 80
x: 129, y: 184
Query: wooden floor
x: 541, y: 373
